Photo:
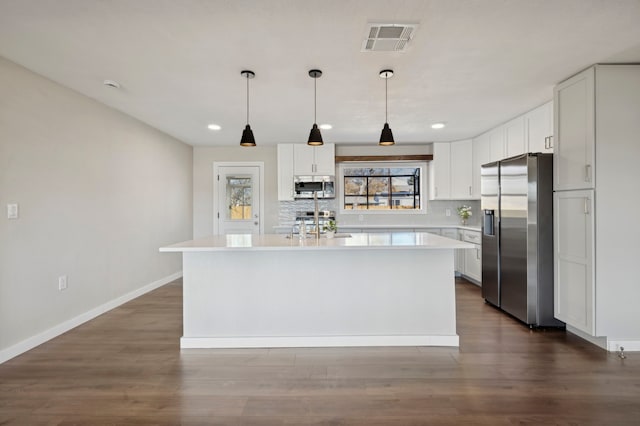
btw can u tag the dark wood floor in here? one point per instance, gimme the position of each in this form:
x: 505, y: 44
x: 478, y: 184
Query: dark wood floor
x: 126, y: 368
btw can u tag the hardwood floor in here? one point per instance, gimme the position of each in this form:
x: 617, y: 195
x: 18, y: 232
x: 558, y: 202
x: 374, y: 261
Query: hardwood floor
x: 126, y: 368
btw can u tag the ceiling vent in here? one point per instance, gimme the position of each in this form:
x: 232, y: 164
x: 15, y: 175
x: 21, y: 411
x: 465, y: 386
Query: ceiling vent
x: 388, y: 37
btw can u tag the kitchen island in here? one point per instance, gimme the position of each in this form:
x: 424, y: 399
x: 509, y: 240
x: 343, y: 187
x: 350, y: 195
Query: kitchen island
x: 379, y: 289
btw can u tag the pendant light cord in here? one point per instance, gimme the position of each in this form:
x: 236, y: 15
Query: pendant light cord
x: 386, y: 101
x: 247, y: 98
x: 315, y: 100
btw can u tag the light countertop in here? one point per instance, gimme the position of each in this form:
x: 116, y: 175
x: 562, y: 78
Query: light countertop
x: 392, y: 227
x: 280, y: 242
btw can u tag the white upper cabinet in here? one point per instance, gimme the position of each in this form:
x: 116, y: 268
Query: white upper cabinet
x: 514, y: 137
x: 314, y: 160
x: 481, y: 155
x: 574, y: 123
x: 440, y: 172
x: 285, y: 172
x: 539, y: 125
x: 451, y: 171
x: 461, y: 170
x: 496, y: 144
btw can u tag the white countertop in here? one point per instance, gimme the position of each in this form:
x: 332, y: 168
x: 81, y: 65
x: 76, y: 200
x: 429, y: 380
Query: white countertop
x: 392, y: 227
x: 280, y: 242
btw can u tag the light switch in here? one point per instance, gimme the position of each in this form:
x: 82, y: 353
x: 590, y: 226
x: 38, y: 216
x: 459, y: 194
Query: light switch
x: 12, y: 211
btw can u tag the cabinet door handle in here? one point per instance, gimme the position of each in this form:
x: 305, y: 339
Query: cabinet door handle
x: 477, y: 254
x: 546, y: 142
x: 550, y: 142
x: 436, y: 191
x: 470, y: 192
x: 587, y: 173
x: 586, y: 205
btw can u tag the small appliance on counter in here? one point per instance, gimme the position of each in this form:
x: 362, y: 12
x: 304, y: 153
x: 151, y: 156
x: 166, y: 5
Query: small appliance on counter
x: 306, y: 186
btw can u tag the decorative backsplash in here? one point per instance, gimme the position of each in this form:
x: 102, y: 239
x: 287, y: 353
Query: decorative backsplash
x: 288, y: 209
x: 436, y: 214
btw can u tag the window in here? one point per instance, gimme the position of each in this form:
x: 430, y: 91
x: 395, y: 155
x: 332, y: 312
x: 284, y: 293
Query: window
x: 239, y: 195
x: 381, y: 187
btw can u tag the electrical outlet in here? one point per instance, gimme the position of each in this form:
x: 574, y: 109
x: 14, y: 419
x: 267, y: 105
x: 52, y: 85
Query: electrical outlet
x: 12, y: 211
x: 447, y: 212
x: 62, y: 282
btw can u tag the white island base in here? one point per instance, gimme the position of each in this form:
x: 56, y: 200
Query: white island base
x: 319, y: 293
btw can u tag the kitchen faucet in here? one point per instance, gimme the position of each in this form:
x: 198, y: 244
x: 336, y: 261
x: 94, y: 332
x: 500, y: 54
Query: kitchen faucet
x: 316, y: 220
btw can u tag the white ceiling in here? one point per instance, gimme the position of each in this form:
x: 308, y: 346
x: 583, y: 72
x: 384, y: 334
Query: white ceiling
x: 472, y: 63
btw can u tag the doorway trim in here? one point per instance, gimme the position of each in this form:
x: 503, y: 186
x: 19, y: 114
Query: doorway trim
x: 216, y: 172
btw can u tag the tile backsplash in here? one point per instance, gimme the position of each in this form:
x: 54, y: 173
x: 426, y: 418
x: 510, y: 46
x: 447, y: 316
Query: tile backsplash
x: 436, y: 214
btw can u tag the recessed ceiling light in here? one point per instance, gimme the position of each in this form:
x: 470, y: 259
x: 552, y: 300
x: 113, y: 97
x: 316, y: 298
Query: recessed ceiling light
x: 112, y: 84
x: 326, y: 126
x: 214, y: 127
x: 437, y: 125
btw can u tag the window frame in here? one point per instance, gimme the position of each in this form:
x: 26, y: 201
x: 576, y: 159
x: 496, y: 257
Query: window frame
x: 382, y: 164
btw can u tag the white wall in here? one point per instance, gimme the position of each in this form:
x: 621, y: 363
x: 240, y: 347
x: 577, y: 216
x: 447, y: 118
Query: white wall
x: 99, y: 193
x: 203, y: 159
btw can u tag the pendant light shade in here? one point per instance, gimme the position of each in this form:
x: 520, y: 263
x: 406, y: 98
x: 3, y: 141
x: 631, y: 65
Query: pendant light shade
x: 386, y: 137
x: 247, y: 137
x: 247, y: 133
x: 315, y: 137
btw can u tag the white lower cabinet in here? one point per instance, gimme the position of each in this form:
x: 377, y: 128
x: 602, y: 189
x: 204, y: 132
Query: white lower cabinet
x: 473, y: 263
x: 574, y: 247
x: 472, y: 257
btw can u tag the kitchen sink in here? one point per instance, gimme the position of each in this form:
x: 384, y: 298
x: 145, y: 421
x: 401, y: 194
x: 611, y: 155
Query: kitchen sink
x: 323, y: 236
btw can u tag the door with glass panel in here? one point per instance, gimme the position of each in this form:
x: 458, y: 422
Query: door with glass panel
x: 238, y: 200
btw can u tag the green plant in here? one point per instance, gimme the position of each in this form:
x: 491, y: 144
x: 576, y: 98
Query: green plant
x: 331, y: 225
x: 464, y: 212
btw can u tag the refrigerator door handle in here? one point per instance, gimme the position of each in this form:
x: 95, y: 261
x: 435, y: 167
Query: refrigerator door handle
x: 586, y: 205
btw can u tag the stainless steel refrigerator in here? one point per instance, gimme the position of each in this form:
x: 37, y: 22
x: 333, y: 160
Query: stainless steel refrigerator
x: 517, y: 237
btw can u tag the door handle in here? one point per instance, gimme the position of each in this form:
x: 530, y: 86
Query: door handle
x: 586, y: 205
x: 470, y: 192
x: 587, y: 173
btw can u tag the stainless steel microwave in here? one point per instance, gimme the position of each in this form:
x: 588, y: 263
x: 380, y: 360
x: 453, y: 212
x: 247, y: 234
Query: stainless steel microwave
x: 306, y: 186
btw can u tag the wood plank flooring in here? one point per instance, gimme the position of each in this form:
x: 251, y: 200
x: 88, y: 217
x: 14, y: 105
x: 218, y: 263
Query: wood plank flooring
x: 126, y: 368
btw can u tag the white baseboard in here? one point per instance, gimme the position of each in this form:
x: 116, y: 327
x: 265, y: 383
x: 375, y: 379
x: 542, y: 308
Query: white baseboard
x: 38, y: 339
x: 613, y: 345
x: 316, y: 341
x: 610, y: 344
x: 598, y: 341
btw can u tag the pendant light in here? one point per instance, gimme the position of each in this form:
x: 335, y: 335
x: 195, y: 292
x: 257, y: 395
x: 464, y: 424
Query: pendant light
x: 247, y: 133
x: 315, y: 138
x: 386, y: 137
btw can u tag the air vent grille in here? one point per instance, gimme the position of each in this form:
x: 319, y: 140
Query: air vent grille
x: 388, y: 37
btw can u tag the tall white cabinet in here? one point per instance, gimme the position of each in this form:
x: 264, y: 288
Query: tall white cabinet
x: 597, y: 132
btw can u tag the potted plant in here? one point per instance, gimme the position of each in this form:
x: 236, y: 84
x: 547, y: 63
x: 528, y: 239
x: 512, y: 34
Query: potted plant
x: 465, y: 213
x: 330, y: 228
